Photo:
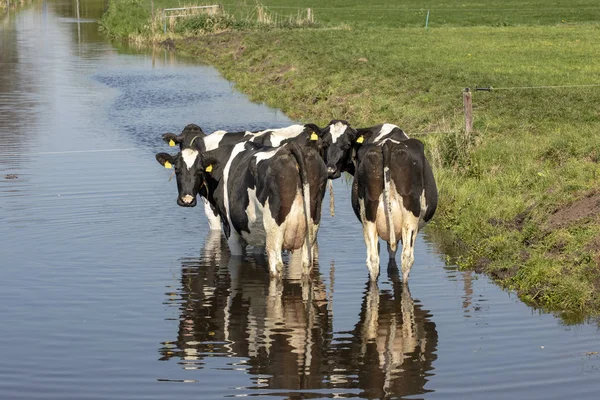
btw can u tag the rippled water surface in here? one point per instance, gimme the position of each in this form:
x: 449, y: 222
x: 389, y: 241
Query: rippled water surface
x: 109, y: 290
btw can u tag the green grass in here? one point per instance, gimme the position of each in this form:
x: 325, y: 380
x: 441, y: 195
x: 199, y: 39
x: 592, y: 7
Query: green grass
x: 384, y: 14
x: 533, y: 151
x: 410, y: 13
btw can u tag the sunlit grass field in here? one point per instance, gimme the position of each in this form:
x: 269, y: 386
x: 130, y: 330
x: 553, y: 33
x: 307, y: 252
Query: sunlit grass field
x: 535, y: 148
x: 395, y: 14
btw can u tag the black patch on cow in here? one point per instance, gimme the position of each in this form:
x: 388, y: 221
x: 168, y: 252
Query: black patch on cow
x: 409, y: 171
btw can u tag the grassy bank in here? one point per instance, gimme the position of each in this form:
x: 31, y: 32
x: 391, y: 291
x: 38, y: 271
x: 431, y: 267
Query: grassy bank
x: 520, y: 196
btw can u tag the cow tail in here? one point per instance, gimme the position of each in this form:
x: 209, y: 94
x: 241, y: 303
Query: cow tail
x: 297, y: 153
x: 387, y: 151
x: 331, y: 198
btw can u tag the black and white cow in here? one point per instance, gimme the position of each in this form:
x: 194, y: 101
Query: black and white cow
x: 266, y: 196
x: 393, y: 185
x: 193, y: 138
x: 393, y: 195
x: 338, y: 137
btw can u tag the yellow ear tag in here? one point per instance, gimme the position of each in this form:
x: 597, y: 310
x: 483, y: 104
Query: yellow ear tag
x: 313, y: 136
x: 171, y: 143
x: 360, y: 139
x: 167, y: 165
x: 209, y: 168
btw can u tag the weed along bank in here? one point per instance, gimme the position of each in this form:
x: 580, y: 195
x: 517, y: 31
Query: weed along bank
x: 518, y: 185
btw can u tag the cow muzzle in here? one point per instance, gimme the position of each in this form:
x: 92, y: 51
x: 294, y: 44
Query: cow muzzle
x: 333, y: 173
x: 187, y: 201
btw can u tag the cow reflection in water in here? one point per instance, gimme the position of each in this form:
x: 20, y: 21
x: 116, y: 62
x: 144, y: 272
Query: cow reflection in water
x: 236, y: 309
x: 392, y: 347
x: 284, y: 329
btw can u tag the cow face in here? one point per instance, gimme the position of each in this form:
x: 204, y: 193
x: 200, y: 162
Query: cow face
x: 188, y: 172
x: 187, y: 139
x: 338, y: 136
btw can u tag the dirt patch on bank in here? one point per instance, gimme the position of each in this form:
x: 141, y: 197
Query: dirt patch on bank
x: 587, y: 207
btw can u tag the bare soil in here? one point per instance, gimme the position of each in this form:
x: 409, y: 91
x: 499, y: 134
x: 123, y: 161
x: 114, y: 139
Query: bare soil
x: 587, y: 207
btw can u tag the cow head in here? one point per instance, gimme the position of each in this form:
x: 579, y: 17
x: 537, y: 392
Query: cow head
x: 188, y: 139
x: 314, y: 138
x: 338, y: 137
x: 188, y: 172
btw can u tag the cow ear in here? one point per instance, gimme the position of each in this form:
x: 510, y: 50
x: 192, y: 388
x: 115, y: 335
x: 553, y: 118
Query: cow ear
x: 209, y: 164
x: 355, y: 136
x: 313, y: 128
x: 313, y: 140
x: 165, y: 159
x: 172, y: 139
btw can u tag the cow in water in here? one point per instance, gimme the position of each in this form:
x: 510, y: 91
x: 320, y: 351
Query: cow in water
x: 193, y: 138
x: 393, y: 192
x: 266, y: 196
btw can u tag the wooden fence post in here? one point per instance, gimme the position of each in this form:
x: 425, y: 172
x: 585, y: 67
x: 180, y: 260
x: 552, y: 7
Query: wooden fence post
x: 468, y: 105
x: 309, y: 15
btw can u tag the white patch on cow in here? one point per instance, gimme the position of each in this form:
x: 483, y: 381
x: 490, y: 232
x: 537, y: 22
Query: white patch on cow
x: 410, y: 229
x: 265, y: 155
x: 279, y: 135
x: 233, y: 240
x: 387, y: 140
x: 371, y: 242
x: 308, y: 241
x: 404, y: 223
x: 294, y: 226
x: 423, y: 209
x: 273, y: 241
x: 396, y: 216
x: 337, y: 130
x: 248, y: 133
x: 290, y: 235
x: 214, y: 221
x: 254, y: 212
x: 385, y: 129
x: 189, y: 157
x: 387, y: 206
x: 212, y: 141
x: 287, y: 131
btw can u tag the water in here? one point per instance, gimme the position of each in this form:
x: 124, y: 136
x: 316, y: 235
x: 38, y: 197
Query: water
x: 109, y: 290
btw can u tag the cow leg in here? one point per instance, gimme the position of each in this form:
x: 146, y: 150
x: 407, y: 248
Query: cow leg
x: 274, y: 248
x: 409, y: 235
x: 306, y: 258
x: 214, y: 221
x: 236, y: 244
x: 372, y: 243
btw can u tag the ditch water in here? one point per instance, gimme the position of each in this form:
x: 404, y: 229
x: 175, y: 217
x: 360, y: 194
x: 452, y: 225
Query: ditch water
x: 109, y: 290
